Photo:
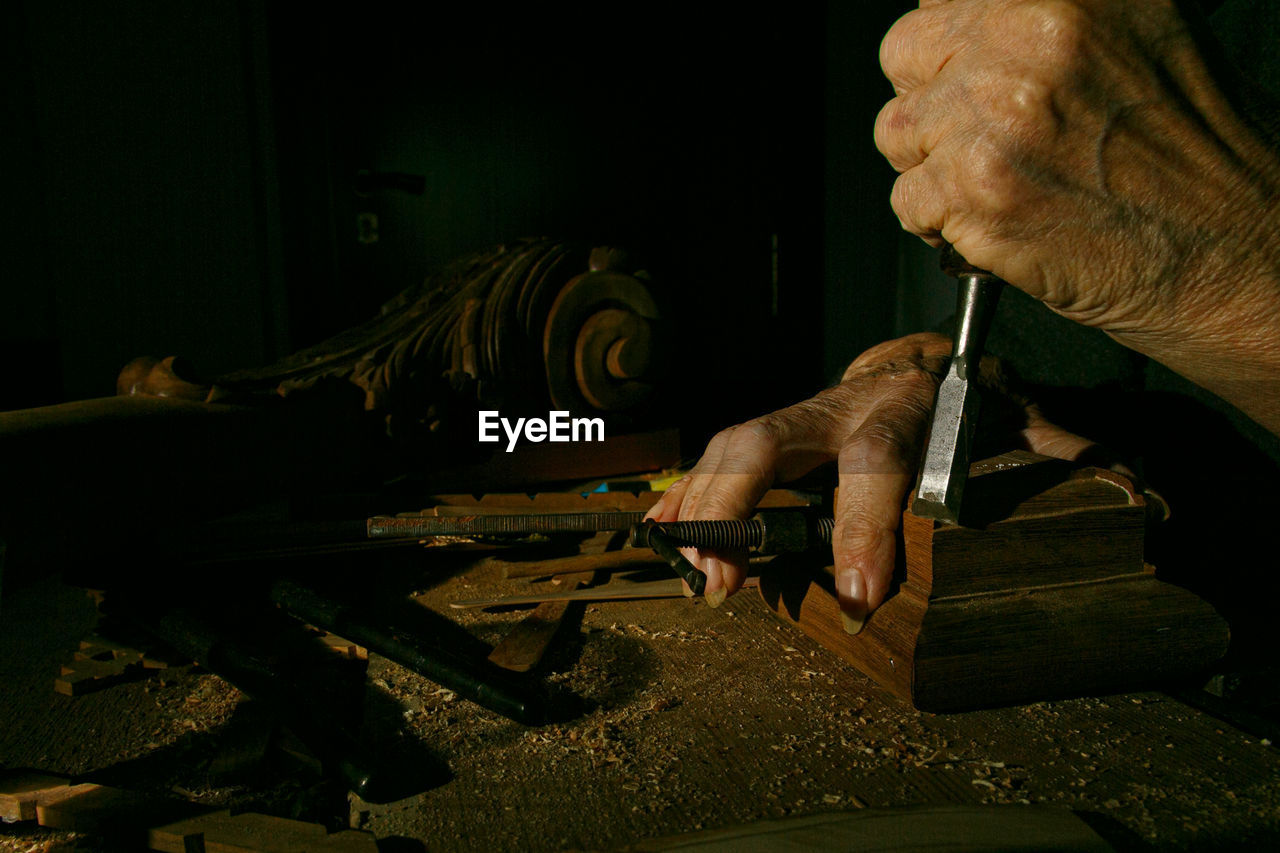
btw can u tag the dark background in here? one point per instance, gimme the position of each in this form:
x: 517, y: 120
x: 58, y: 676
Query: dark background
x: 182, y: 178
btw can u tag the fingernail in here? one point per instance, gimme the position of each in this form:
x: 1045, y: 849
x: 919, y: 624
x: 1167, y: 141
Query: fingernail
x: 713, y: 598
x: 851, y: 589
x: 688, y: 593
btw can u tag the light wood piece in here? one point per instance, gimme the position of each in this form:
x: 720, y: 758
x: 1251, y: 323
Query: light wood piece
x: 250, y: 832
x: 22, y: 792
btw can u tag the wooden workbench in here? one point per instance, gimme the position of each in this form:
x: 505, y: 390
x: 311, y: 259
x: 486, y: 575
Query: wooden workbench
x: 699, y: 719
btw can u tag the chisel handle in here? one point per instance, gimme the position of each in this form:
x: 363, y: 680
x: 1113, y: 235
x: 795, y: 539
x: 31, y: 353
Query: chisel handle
x: 954, y: 264
x: 976, y: 298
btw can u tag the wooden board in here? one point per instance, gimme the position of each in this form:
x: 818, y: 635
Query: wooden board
x: 84, y: 676
x: 23, y: 791
x: 1049, y: 597
x: 523, y: 648
x: 615, y: 591
x: 706, y: 702
x: 609, y: 561
x: 256, y: 833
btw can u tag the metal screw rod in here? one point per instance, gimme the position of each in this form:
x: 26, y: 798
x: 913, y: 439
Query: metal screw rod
x: 740, y: 534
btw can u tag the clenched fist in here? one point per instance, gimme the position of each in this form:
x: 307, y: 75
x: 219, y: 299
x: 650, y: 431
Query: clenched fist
x: 1087, y: 152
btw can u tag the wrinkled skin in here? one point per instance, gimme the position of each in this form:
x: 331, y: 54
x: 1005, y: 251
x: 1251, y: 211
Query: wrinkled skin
x: 1085, y: 152
x: 872, y: 424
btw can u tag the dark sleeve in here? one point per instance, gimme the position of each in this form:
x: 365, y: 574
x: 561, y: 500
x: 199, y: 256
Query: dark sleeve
x: 1249, y: 32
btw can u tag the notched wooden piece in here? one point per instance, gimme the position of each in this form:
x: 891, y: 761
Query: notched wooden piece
x: 343, y: 647
x: 22, y: 792
x: 1043, y: 593
x: 101, y: 663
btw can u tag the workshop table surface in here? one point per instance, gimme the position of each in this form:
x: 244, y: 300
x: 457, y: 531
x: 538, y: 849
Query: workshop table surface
x: 697, y: 719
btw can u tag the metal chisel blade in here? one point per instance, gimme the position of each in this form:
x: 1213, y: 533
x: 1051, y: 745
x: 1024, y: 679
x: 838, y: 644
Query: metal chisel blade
x: 946, y: 458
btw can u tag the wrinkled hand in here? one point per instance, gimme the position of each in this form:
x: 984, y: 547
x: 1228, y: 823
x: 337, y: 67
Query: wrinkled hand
x: 1085, y: 152
x: 873, y: 423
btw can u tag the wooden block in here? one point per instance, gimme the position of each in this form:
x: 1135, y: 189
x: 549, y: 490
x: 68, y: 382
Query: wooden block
x: 90, y: 808
x: 1043, y: 594
x: 95, y: 647
x: 84, y: 676
x: 21, y: 791
x: 344, y: 647
x: 54, y: 802
x: 257, y: 833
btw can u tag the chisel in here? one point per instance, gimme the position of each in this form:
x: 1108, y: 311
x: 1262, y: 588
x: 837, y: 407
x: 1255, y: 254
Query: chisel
x: 945, y: 465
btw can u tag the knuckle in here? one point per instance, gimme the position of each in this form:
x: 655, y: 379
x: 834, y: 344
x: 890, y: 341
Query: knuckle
x: 907, y: 369
x: 895, y: 119
x: 679, y: 485
x: 860, y: 530
x: 886, y: 443
x: 1029, y: 104
x: 914, y: 381
x: 714, y: 450
x: 765, y: 433
x: 993, y: 180
x: 910, y: 202
x: 878, y: 439
x: 1057, y: 26
x: 723, y: 437
x: 901, y: 197
x: 894, y: 44
x: 987, y: 162
x: 690, y: 507
x: 717, y: 505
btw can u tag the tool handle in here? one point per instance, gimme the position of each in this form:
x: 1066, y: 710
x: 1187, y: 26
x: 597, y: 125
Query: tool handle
x: 954, y: 264
x: 650, y: 534
x: 976, y: 300
x: 975, y: 307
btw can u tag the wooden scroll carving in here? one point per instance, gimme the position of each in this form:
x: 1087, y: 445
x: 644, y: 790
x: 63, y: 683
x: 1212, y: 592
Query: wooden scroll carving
x: 1043, y: 594
x: 524, y: 328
